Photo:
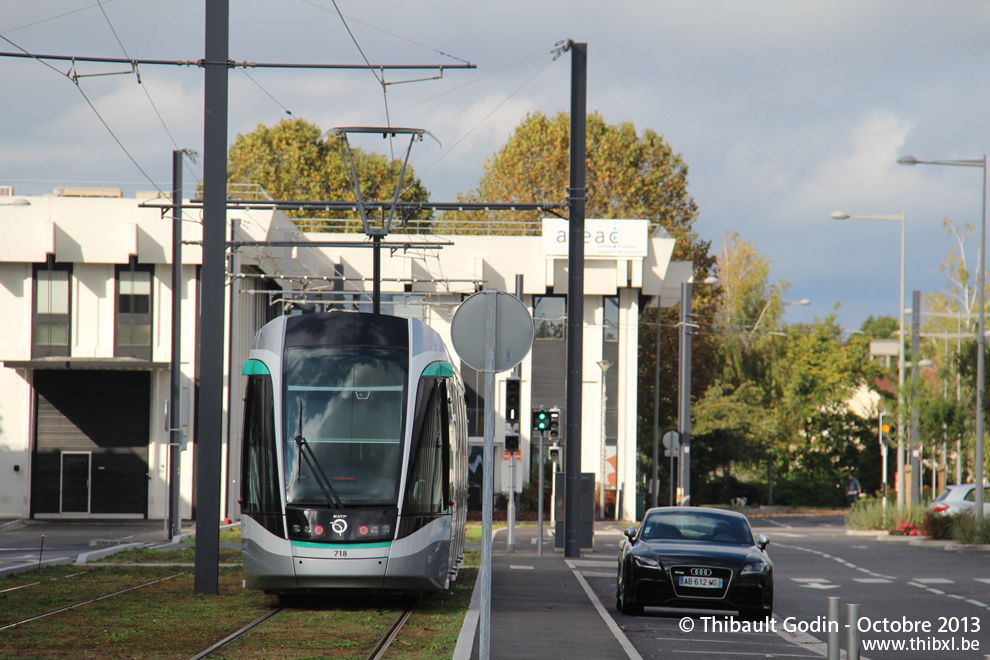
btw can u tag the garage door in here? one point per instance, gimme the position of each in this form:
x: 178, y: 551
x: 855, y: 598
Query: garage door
x: 105, y: 414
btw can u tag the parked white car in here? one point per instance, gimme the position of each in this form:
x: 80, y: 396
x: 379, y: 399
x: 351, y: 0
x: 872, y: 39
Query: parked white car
x: 960, y: 497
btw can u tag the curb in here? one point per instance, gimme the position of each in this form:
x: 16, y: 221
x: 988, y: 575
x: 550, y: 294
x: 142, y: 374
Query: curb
x: 85, y: 557
x: 469, y: 628
x: 17, y: 569
x: 919, y: 541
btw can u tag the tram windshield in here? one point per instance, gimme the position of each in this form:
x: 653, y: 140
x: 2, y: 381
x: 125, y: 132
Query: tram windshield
x: 351, y: 419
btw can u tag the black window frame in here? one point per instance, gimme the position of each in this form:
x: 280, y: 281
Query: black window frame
x: 131, y: 318
x: 42, y: 323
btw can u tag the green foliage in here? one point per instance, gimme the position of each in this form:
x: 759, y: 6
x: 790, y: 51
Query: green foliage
x: 869, y: 513
x: 908, y: 523
x: 966, y: 530
x: 881, y: 327
x: 291, y: 162
x: 937, y: 526
x: 629, y: 175
x: 807, y: 488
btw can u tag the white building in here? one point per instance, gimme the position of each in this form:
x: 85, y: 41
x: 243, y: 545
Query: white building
x: 86, y: 297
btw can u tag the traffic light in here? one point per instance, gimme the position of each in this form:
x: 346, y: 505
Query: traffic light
x: 512, y: 443
x: 512, y: 399
x: 886, y: 431
x: 554, y: 425
x: 541, y: 420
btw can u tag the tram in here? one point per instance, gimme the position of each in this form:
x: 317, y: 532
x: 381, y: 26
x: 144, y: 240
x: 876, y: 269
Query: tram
x: 354, y: 457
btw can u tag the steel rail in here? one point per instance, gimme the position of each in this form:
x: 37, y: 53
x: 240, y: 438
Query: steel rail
x: 229, y: 638
x: 87, y: 602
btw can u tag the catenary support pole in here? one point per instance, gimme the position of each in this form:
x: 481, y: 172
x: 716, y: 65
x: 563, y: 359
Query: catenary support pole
x: 575, y: 298
x: 656, y: 414
x: 684, y: 396
x: 209, y: 428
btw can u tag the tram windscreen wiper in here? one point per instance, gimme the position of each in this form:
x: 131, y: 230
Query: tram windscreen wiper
x: 314, y: 465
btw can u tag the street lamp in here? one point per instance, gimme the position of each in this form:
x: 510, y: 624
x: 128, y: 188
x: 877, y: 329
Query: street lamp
x: 604, y: 365
x: 896, y: 217
x: 981, y: 340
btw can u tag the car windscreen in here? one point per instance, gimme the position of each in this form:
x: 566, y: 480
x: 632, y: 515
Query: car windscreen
x: 702, y: 527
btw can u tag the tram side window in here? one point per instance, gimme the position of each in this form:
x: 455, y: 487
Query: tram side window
x: 428, y: 487
x: 259, y: 466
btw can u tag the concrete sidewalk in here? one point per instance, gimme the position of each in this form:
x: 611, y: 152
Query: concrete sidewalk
x: 542, y: 607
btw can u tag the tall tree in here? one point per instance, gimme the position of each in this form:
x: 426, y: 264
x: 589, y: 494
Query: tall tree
x: 629, y: 175
x: 950, y: 323
x: 291, y: 161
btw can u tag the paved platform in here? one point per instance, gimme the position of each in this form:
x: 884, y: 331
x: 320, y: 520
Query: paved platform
x: 542, y: 607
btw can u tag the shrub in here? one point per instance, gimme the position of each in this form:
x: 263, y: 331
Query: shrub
x: 803, y: 489
x: 937, y: 526
x: 965, y: 529
x: 905, y: 528
x: 868, y: 513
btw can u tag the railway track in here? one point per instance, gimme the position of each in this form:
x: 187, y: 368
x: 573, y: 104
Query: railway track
x: 378, y: 652
x: 54, y: 579
x: 88, y: 601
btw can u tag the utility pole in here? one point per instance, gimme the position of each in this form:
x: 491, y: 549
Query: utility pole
x: 210, y: 408
x: 175, y: 384
x: 684, y: 396
x: 577, y: 196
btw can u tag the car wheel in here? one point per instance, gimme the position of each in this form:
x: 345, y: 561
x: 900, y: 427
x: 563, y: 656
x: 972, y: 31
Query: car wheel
x: 626, y: 604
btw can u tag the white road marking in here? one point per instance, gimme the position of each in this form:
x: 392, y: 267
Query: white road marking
x: 613, y: 627
x: 593, y: 563
x: 872, y: 580
x: 933, y: 580
x: 517, y: 567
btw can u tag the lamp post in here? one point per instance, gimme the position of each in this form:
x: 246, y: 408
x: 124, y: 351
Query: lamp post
x: 896, y: 217
x: 604, y: 365
x: 981, y: 340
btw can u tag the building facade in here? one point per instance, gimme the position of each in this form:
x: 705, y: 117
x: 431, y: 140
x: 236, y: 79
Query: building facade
x: 85, y: 289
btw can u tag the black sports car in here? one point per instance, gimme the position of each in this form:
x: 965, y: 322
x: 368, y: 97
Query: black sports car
x: 694, y: 558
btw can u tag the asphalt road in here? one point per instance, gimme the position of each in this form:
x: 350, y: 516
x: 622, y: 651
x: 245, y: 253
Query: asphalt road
x: 934, y: 602
x: 33, y: 540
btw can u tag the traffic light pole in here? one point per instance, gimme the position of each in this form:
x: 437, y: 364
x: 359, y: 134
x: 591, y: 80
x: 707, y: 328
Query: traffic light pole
x: 539, y: 506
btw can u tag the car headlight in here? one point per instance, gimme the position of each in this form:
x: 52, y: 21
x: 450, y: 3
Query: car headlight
x: 754, y: 567
x: 646, y: 562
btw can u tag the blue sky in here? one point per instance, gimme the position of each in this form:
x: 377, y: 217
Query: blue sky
x: 784, y: 111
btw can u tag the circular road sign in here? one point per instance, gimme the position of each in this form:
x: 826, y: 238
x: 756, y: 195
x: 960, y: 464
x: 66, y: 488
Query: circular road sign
x: 513, y: 331
x: 672, y: 440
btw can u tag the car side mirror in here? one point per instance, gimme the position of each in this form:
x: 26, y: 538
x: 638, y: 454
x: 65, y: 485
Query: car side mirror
x: 630, y: 533
x: 762, y: 542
